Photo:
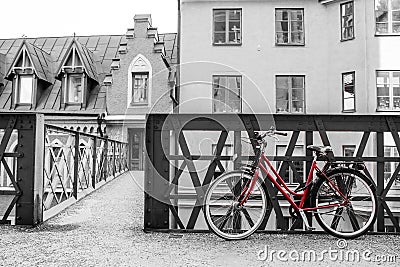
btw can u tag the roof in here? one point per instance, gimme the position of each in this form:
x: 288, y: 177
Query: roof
x: 96, y: 51
x: 2, y: 67
x: 87, y: 57
x: 99, y: 50
x: 41, y: 61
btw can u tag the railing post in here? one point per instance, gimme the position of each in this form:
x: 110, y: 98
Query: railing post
x: 94, y: 162
x: 31, y: 134
x: 114, y: 166
x: 76, y: 166
x: 105, y: 169
x: 380, y: 176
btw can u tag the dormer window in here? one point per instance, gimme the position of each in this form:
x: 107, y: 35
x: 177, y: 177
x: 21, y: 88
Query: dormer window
x: 140, y: 87
x: 24, y: 79
x: 30, y: 73
x: 78, y: 73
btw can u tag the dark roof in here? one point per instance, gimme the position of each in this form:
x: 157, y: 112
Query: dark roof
x: 41, y: 61
x: 170, y: 44
x: 99, y: 51
x: 87, y: 57
x: 2, y: 67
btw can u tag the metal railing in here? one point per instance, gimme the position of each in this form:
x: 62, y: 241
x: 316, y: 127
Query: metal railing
x: 43, y: 166
x: 174, y: 195
x: 76, y: 161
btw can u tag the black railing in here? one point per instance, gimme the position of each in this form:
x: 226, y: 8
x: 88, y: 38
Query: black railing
x: 174, y: 195
x: 43, y: 166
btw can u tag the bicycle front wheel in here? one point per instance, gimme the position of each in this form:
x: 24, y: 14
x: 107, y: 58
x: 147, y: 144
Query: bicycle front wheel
x: 223, y: 214
x: 352, y: 219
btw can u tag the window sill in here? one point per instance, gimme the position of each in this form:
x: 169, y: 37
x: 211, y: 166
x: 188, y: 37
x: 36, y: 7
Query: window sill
x: 349, y: 111
x: 73, y: 103
x: 388, y: 110
x: 296, y: 45
x: 227, y: 44
x: 139, y: 104
x: 387, y: 34
x: 349, y: 39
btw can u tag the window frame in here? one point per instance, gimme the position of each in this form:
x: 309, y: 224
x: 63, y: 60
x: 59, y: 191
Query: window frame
x: 133, y: 103
x: 391, y: 97
x: 18, y: 89
x: 227, y: 43
x: 290, y: 94
x: 344, y: 147
x: 341, y: 21
x: 353, y: 73
x: 67, y: 88
x: 289, y: 28
x: 389, y: 21
x: 240, y: 93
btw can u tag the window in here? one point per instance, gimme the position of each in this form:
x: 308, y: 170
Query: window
x: 391, y: 151
x: 349, y: 150
x: 140, y: 87
x: 74, y: 91
x: 73, y: 60
x: 388, y: 90
x: 290, y: 94
x: 289, y: 176
x: 387, y: 16
x: 289, y: 26
x: 227, y: 93
x: 347, y: 20
x: 227, y: 26
x: 349, y: 103
x: 25, y: 89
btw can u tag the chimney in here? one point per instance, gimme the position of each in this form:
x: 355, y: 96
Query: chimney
x: 142, y: 23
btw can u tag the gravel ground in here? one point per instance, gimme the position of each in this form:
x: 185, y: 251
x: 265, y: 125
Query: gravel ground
x: 105, y: 229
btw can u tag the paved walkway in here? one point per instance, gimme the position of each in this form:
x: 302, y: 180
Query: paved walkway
x: 104, y: 229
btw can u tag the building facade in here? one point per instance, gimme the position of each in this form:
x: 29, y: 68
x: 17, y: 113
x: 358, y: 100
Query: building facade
x: 93, y: 84
x: 291, y: 57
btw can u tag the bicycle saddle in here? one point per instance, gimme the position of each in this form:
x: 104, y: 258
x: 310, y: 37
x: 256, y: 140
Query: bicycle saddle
x: 321, y: 149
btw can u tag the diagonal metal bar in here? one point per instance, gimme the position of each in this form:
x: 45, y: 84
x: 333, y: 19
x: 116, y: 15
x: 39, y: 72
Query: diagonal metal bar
x: 324, y: 136
x: 176, y: 179
x: 10, y: 175
x: 9, y: 209
x: 289, y: 152
x: 6, y: 136
x: 391, y: 181
x: 391, y: 216
x: 176, y: 215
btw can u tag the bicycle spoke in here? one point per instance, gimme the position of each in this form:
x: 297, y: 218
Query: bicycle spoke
x: 337, y: 217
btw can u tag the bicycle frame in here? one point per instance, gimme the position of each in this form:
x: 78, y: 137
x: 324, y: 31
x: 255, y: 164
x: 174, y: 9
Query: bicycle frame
x: 263, y: 159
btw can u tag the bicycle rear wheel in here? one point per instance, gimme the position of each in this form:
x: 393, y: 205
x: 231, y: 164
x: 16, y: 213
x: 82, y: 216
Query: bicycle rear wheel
x: 223, y: 214
x: 358, y: 215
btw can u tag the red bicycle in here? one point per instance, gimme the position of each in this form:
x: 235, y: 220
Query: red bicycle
x: 342, y: 198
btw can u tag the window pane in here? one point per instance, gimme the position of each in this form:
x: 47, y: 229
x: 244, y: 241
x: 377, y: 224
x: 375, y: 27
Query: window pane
x: 219, y: 15
x: 296, y: 15
x: 281, y: 15
x: 282, y: 94
x: 297, y: 82
x: 382, y: 28
x: 220, y: 26
x: 382, y: 77
x: 395, y: 4
x: 219, y: 38
x: 297, y: 38
x: 282, y: 106
x: 383, y: 90
x: 282, y: 38
x: 25, y: 89
x: 282, y: 26
x: 296, y: 26
x: 74, y: 89
x: 396, y: 103
x: 349, y: 104
x: 282, y: 82
x: 396, y: 15
x: 297, y: 94
x: 383, y: 102
x: 140, y: 86
x: 234, y: 14
x: 297, y: 106
x: 396, y: 27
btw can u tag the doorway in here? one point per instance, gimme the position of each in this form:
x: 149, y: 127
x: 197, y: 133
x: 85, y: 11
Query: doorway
x: 136, y: 150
